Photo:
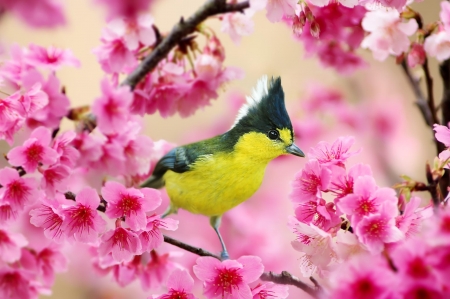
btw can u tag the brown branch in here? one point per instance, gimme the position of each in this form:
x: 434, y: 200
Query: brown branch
x: 429, y: 85
x: 421, y: 101
x: 287, y: 278
x: 195, y: 250
x: 182, y: 29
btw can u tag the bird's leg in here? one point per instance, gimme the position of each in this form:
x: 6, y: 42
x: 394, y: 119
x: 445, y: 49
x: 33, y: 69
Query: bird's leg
x: 215, y: 223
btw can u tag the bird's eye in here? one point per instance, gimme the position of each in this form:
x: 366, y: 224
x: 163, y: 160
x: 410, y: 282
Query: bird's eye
x: 273, y: 134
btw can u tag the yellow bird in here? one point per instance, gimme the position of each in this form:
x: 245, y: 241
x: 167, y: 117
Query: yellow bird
x: 212, y: 176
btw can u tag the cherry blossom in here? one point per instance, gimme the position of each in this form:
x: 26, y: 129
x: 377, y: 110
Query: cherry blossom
x: 49, y: 215
x: 37, y: 13
x: 333, y: 154
x: 130, y: 203
x: 17, y: 191
x: 308, y: 184
x: 81, y: 221
x: 112, y: 108
x: 388, y: 34
x: 438, y: 45
x: 237, y: 25
x: 10, y: 245
x: 270, y: 290
x: 229, y: 278
x: 33, y: 151
x: 122, y: 243
x: 151, y: 237
x: 180, y: 285
x: 51, y: 57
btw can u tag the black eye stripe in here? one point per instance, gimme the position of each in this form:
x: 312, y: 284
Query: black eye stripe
x: 273, y: 134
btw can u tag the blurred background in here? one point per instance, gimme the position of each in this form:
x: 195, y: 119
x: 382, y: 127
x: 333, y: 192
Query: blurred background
x: 380, y: 87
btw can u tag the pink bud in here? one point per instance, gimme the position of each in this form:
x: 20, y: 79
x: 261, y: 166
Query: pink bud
x: 416, y: 55
x: 314, y: 29
x: 308, y: 13
x: 302, y: 18
x: 297, y: 26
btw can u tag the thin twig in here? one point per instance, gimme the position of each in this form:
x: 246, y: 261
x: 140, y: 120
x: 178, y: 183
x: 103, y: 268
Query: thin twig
x: 182, y: 29
x: 288, y: 279
x: 196, y: 250
x: 421, y: 101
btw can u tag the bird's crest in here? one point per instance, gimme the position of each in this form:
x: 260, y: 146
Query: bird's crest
x: 265, y: 105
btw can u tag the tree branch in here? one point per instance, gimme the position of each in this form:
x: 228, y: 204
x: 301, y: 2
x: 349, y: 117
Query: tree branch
x: 182, y: 29
x: 287, y: 278
x: 196, y: 250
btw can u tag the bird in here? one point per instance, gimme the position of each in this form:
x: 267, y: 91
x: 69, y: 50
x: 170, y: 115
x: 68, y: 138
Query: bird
x: 212, y: 176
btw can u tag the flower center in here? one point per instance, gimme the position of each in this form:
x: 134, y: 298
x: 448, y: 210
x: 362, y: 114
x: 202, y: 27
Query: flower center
x: 228, y: 279
x: 34, y: 152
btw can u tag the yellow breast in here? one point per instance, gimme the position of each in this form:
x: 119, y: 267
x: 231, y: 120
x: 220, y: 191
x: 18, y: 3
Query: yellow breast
x: 216, y: 183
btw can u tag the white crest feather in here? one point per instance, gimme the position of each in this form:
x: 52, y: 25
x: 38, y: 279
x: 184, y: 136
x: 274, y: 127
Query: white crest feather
x: 258, y: 93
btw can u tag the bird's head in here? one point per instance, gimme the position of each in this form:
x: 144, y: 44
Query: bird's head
x: 263, y: 127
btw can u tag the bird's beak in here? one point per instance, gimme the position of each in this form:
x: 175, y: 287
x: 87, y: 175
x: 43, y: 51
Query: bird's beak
x: 294, y: 150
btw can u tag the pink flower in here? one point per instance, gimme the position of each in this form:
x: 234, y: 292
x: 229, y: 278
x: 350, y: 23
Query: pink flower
x: 309, y: 183
x: 88, y: 146
x: 416, y: 55
x: 15, y: 284
x: 180, y: 285
x: 37, y: 13
x: 388, y: 34
x: 276, y: 9
x: 359, y: 279
x: 49, y: 215
x: 367, y: 199
x: 383, y: 4
x: 342, y: 184
x: 422, y: 290
x: 376, y: 229
x: 113, y: 54
x: 130, y: 203
x: 237, y: 25
x: 67, y: 153
x: 333, y: 154
x: 58, y: 103
x: 54, y: 179
x: 50, y: 260
x: 157, y: 270
x: 122, y: 243
x: 151, y: 237
x: 442, y: 134
x: 411, y: 261
x: 125, y: 8
x: 438, y: 45
x: 314, y: 244
x: 137, y: 149
x: 230, y: 278
x: 319, y: 213
x: 10, y: 245
x: 17, y: 191
x: 409, y: 222
x: 33, y: 151
x: 134, y: 32
x: 445, y: 15
x: 12, y: 117
x: 51, y: 58
x: 270, y: 290
x: 112, y: 108
x: 34, y: 99
x: 81, y: 220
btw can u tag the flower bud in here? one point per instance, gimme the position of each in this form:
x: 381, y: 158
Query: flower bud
x: 297, y: 27
x: 308, y: 13
x: 302, y: 18
x: 416, y: 55
x: 314, y: 29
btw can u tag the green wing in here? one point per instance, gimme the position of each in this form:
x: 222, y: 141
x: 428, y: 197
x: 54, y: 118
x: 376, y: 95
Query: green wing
x: 180, y: 159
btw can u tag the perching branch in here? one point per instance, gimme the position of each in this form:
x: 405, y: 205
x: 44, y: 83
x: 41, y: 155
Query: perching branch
x: 283, y: 278
x: 196, y: 250
x: 182, y: 29
x: 288, y: 279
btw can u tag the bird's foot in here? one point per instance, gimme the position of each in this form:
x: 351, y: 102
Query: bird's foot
x: 224, y: 255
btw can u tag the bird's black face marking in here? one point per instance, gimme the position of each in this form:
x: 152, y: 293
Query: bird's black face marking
x: 273, y: 134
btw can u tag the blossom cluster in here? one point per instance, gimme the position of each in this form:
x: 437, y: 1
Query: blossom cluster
x: 182, y: 83
x: 342, y: 219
